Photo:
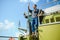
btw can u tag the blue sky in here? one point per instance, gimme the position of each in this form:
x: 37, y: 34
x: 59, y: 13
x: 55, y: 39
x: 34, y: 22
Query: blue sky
x: 11, y: 11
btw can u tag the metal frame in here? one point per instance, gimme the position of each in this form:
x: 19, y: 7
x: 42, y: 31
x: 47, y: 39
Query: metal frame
x: 50, y: 24
x: 7, y: 37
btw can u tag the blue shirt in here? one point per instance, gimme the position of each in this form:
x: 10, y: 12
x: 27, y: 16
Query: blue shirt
x: 34, y: 13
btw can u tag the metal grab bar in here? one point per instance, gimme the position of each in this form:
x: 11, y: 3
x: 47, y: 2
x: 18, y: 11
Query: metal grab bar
x: 7, y: 37
x: 49, y: 23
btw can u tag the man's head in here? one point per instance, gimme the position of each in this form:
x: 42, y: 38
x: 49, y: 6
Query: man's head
x: 34, y: 6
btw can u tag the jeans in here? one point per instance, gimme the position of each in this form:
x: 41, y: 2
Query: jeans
x: 34, y: 24
x: 30, y: 28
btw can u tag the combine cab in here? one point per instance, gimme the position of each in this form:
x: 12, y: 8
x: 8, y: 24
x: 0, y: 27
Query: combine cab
x: 50, y: 27
x: 49, y: 30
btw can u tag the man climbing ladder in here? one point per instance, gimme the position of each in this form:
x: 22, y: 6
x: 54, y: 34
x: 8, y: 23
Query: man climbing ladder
x: 34, y: 14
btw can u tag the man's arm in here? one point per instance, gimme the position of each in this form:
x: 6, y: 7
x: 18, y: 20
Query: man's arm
x: 29, y: 8
x: 41, y: 13
x: 25, y: 15
x: 37, y: 12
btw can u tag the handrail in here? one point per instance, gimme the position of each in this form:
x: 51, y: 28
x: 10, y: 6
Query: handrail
x: 49, y: 24
x: 7, y: 37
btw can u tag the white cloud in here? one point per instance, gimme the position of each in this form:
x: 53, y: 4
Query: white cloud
x: 6, y: 21
x: 34, y: 1
x: 1, y: 25
x: 6, y: 24
x: 10, y: 25
x: 54, y: 0
x: 17, y: 34
x: 23, y: 0
x: 47, y: 0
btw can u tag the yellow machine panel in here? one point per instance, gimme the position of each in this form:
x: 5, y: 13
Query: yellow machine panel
x: 49, y: 32
x: 50, y: 29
